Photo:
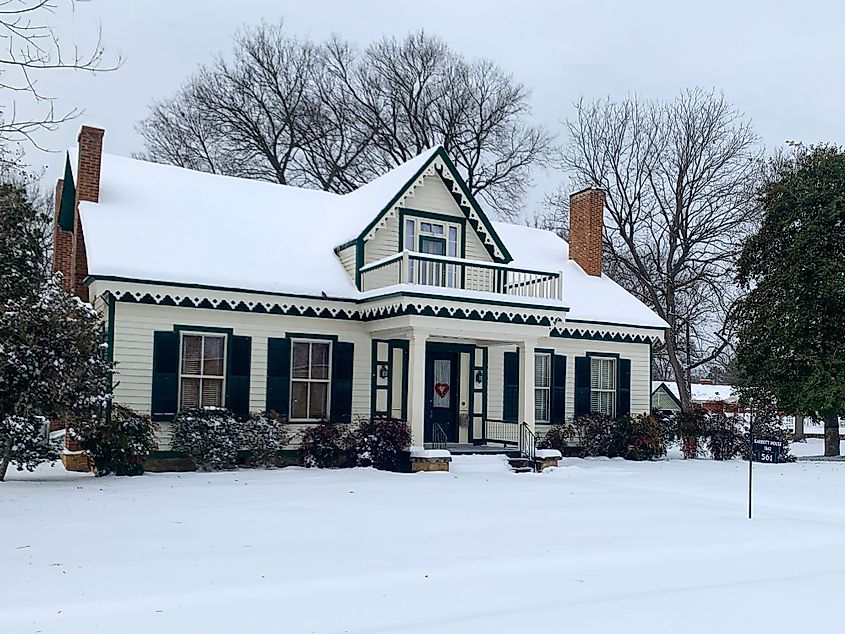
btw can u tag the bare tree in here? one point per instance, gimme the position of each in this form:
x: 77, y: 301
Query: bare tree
x: 30, y: 47
x: 680, y: 178
x: 332, y: 117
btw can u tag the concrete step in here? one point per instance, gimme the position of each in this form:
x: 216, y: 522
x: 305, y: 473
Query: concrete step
x: 521, y: 465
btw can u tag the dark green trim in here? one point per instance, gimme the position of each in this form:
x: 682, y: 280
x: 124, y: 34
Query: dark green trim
x: 458, y: 179
x: 432, y: 215
x: 431, y: 239
x: 305, y: 335
x: 602, y: 354
x: 375, y: 365
x: 346, y: 300
x: 467, y: 300
x: 667, y: 391
x: 611, y: 323
x: 650, y: 378
x: 615, y: 337
x: 345, y: 245
x: 359, y: 262
x: 476, y: 207
x: 67, y: 204
x: 110, y: 330
x: 210, y: 287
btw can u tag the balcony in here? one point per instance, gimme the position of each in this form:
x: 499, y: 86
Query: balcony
x: 409, y: 267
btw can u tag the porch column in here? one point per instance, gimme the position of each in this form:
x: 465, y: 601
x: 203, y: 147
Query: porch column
x: 416, y: 386
x: 526, y: 382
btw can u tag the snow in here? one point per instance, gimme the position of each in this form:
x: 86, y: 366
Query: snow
x: 544, y: 454
x: 593, y: 546
x: 701, y: 392
x: 163, y: 223
x: 420, y: 452
x: 590, y: 298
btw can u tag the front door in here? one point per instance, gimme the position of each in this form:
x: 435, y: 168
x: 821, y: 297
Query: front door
x: 441, y: 381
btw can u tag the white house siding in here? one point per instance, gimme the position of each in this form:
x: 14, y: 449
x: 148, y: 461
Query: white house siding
x: 433, y: 197
x: 133, y: 349
x: 638, y: 353
x: 347, y: 259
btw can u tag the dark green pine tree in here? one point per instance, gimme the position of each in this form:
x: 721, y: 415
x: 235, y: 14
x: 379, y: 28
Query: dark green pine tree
x: 791, y: 324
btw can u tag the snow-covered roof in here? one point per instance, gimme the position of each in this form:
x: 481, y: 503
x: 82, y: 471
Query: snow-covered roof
x: 701, y: 392
x: 163, y: 223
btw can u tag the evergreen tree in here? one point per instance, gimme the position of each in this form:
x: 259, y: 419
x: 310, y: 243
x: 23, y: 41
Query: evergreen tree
x: 52, y: 365
x: 791, y: 324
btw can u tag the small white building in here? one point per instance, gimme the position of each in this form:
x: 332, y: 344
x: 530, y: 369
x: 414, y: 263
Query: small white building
x: 399, y: 299
x: 665, y: 396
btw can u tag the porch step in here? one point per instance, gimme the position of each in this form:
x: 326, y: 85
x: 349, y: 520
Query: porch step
x: 521, y: 465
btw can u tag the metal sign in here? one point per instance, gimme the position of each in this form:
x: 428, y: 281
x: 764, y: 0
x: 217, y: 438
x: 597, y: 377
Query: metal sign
x: 766, y: 450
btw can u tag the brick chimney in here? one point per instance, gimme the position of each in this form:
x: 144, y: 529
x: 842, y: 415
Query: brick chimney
x: 87, y: 189
x: 586, y: 223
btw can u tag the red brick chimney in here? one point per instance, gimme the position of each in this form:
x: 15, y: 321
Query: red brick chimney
x: 586, y: 223
x: 87, y: 189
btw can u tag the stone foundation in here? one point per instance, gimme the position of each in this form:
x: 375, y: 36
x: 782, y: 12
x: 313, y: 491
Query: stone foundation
x: 546, y: 458
x: 76, y: 461
x: 429, y: 464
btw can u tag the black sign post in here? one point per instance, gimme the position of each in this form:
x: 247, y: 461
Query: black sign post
x: 760, y: 450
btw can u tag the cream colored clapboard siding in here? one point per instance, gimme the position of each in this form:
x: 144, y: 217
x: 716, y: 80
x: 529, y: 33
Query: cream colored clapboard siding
x: 638, y: 353
x: 347, y: 259
x: 133, y: 351
x: 431, y: 196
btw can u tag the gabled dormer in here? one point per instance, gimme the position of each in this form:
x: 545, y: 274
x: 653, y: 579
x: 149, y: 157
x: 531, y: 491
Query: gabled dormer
x: 428, y: 229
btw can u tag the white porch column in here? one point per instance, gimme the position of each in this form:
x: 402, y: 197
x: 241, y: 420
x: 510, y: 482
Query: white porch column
x: 526, y: 382
x: 416, y: 386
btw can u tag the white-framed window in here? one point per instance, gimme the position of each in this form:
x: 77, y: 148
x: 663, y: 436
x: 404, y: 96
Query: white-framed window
x: 542, y: 387
x: 310, y: 379
x: 431, y: 237
x: 202, y: 370
x: 603, y: 385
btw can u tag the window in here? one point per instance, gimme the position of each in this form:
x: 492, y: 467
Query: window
x: 603, y: 385
x: 202, y: 372
x: 432, y: 238
x: 542, y: 386
x: 310, y: 377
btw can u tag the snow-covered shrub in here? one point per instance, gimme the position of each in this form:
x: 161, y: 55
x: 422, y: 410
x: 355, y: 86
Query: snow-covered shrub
x: 638, y: 437
x: 328, y: 445
x: 596, y: 434
x: 382, y: 443
x: 630, y: 437
x: 264, y: 435
x: 561, y: 437
x: 119, y: 442
x: 692, y: 430
x: 724, y: 436
x: 207, y: 436
x: 26, y: 441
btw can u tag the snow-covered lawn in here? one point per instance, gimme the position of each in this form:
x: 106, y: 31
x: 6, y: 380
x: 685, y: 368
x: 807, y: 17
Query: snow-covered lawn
x: 593, y: 546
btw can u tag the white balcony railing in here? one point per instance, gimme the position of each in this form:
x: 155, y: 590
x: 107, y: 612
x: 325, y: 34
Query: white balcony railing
x: 435, y: 270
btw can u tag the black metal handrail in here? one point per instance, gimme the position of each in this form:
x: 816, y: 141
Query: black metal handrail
x: 528, y: 444
x: 439, y: 439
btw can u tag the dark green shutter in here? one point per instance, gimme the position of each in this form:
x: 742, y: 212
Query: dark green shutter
x: 237, y: 374
x: 165, y: 396
x: 558, y: 412
x: 510, y: 406
x: 582, y: 386
x: 342, y: 368
x: 278, y: 375
x: 623, y: 387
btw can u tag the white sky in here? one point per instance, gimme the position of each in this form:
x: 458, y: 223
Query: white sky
x: 780, y: 62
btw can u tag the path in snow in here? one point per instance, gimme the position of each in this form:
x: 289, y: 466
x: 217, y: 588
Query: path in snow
x: 594, y: 546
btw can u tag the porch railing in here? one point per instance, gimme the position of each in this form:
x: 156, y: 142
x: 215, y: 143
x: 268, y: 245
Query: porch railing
x: 439, y: 439
x: 528, y: 444
x: 503, y: 432
x: 447, y: 272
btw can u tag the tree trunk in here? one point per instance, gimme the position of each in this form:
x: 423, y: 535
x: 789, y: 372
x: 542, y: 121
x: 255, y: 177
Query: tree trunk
x: 798, y: 432
x: 680, y: 375
x: 831, y: 435
x: 6, y: 458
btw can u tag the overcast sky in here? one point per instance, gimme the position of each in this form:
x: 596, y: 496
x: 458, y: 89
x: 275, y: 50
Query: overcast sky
x: 780, y: 62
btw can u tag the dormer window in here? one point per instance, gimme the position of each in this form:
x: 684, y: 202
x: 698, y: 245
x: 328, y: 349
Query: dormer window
x: 436, y: 239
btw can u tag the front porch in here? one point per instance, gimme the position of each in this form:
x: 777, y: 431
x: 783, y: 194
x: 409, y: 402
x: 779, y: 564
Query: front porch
x: 436, y: 374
